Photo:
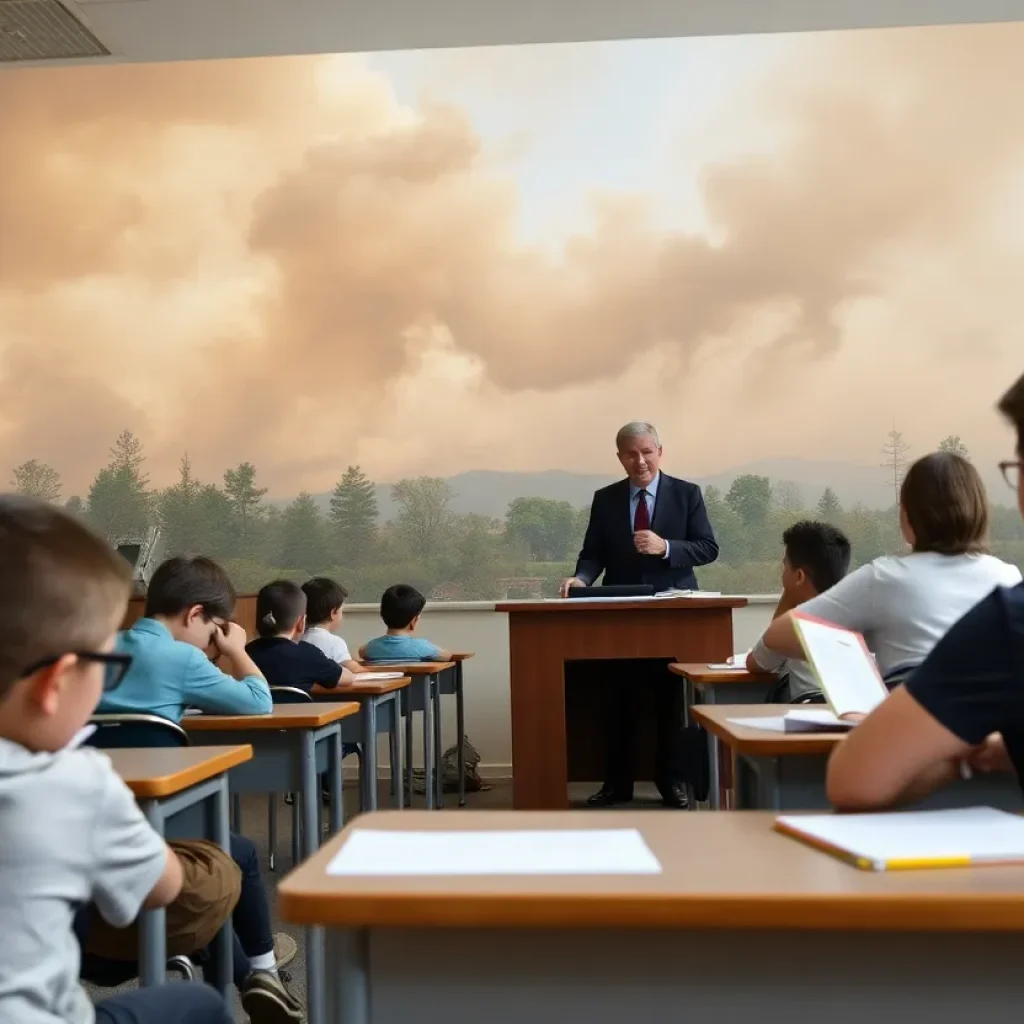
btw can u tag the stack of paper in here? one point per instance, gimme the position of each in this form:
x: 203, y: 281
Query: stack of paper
x: 796, y: 721
x: 736, y: 662
x: 913, y: 839
x: 377, y: 677
x: 583, y: 851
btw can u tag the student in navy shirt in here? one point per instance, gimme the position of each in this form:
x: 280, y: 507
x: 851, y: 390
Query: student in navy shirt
x: 278, y: 652
x: 964, y: 704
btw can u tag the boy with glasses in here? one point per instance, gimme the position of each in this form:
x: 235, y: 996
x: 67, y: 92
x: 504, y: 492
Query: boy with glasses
x: 64, y: 594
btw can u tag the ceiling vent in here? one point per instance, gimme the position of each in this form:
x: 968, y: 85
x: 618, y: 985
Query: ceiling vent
x: 44, y: 30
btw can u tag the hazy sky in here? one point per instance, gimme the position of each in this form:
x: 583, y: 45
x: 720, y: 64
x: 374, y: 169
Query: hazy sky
x: 432, y: 262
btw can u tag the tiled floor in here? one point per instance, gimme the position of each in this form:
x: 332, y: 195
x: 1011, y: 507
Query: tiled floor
x: 254, y: 825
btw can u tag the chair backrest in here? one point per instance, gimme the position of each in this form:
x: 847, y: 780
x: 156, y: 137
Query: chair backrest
x: 133, y: 730
x: 289, y: 695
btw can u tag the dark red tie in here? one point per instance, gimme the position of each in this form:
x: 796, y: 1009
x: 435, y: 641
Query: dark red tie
x: 642, y: 518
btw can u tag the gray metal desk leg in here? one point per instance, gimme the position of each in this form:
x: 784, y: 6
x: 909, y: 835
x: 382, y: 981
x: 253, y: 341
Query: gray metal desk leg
x: 714, y: 764
x: 460, y: 725
x: 153, y: 923
x: 691, y: 794
x: 397, y: 770
x: 296, y: 831
x: 407, y: 711
x: 428, y: 744
x: 334, y: 765
x: 348, y: 995
x: 435, y: 704
x: 369, y: 766
x: 236, y: 814
x: 217, y: 828
x: 310, y: 794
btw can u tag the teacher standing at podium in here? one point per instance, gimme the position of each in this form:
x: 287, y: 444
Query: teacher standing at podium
x: 647, y: 529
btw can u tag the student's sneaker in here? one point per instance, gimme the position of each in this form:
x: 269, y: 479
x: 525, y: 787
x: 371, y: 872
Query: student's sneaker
x: 285, y: 949
x: 266, y: 1000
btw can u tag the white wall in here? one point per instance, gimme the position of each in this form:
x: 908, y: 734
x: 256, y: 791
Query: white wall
x: 476, y: 626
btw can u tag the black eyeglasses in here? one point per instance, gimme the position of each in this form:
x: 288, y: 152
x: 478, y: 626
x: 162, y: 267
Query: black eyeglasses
x: 115, y: 664
x: 1011, y: 471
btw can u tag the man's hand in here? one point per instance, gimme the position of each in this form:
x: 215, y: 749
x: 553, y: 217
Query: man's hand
x: 649, y: 543
x: 567, y: 585
x: 230, y: 639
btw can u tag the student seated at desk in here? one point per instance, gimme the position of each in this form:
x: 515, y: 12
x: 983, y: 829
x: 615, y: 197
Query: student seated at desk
x: 72, y: 832
x: 278, y: 651
x: 401, y: 608
x: 905, y: 604
x: 188, y: 612
x: 964, y: 704
x: 324, y: 600
x: 816, y: 557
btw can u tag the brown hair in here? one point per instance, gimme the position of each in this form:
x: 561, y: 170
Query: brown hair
x: 945, y: 503
x: 1011, y: 405
x: 64, y: 589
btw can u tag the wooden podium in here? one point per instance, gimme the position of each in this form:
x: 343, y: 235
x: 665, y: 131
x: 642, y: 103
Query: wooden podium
x: 557, y: 735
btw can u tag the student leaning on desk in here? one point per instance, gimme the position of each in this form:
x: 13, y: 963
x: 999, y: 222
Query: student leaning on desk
x: 963, y: 705
x: 72, y: 832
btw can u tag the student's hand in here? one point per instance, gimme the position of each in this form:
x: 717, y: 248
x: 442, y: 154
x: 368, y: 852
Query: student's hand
x: 230, y: 639
x: 853, y: 716
x: 649, y: 543
x: 567, y: 585
x: 347, y: 677
x: 991, y: 756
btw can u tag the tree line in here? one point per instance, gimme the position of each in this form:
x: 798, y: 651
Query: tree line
x: 448, y: 555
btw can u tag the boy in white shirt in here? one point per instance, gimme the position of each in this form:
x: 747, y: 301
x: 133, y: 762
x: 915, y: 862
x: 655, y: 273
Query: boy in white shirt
x: 324, y: 600
x: 72, y: 832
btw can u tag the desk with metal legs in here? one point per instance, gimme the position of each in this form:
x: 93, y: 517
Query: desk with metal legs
x: 422, y: 694
x: 379, y: 712
x: 734, y: 908
x: 168, y: 782
x: 719, y: 686
x: 452, y: 682
x: 291, y: 746
x: 786, y: 771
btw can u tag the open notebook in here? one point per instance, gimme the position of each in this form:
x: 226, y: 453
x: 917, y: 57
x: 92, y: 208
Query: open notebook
x: 377, y: 677
x: 907, y: 840
x: 804, y: 720
x: 842, y: 664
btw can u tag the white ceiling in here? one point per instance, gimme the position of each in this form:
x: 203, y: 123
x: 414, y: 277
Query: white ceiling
x: 161, y: 30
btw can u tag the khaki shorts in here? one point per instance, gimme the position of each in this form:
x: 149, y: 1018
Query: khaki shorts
x: 209, y: 892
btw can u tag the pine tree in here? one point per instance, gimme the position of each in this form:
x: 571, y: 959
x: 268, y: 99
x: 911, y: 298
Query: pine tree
x: 353, y: 518
x: 895, y: 451
x: 120, y: 505
x: 302, y: 536
x: 955, y: 446
x: 829, y: 509
x: 246, y: 501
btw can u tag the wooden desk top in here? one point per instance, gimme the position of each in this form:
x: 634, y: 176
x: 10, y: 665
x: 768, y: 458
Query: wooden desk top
x: 364, y: 688
x: 462, y: 655
x: 568, y: 605
x: 705, y: 675
x: 410, y: 668
x: 284, y: 716
x: 744, y: 740
x: 723, y: 870
x: 151, y: 772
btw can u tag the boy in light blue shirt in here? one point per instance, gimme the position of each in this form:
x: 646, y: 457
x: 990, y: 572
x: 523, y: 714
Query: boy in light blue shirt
x: 188, y: 607
x: 400, y: 608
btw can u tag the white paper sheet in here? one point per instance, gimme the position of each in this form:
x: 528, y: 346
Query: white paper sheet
x: 796, y: 721
x: 980, y: 833
x: 538, y: 852
x: 842, y: 665
x: 365, y: 677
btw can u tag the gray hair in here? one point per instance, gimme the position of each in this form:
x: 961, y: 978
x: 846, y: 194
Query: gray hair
x: 638, y: 428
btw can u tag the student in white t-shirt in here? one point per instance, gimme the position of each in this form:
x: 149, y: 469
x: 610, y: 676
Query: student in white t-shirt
x: 324, y: 600
x: 905, y: 604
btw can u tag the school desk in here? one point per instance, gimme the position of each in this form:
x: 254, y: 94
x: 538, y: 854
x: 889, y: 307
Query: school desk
x: 742, y: 924
x: 423, y: 694
x: 378, y: 712
x: 720, y: 686
x: 168, y: 782
x: 786, y: 771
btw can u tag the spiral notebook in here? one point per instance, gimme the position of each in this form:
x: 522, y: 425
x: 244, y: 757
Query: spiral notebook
x: 910, y: 840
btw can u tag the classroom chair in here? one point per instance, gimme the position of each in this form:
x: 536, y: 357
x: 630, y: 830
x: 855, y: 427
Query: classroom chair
x: 135, y: 730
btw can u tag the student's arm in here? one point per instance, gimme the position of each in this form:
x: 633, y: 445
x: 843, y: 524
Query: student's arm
x: 353, y: 666
x: 215, y: 692
x: 699, y: 546
x: 848, y: 604
x: 967, y: 689
x: 323, y: 671
x: 134, y: 867
x: 362, y: 653
x: 759, y: 658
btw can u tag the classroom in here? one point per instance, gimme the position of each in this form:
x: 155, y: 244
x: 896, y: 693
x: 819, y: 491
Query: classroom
x: 554, y: 549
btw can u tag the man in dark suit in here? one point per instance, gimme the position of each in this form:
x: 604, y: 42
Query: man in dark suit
x: 649, y: 528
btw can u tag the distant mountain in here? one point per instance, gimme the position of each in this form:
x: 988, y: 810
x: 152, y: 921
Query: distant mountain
x: 488, y: 492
